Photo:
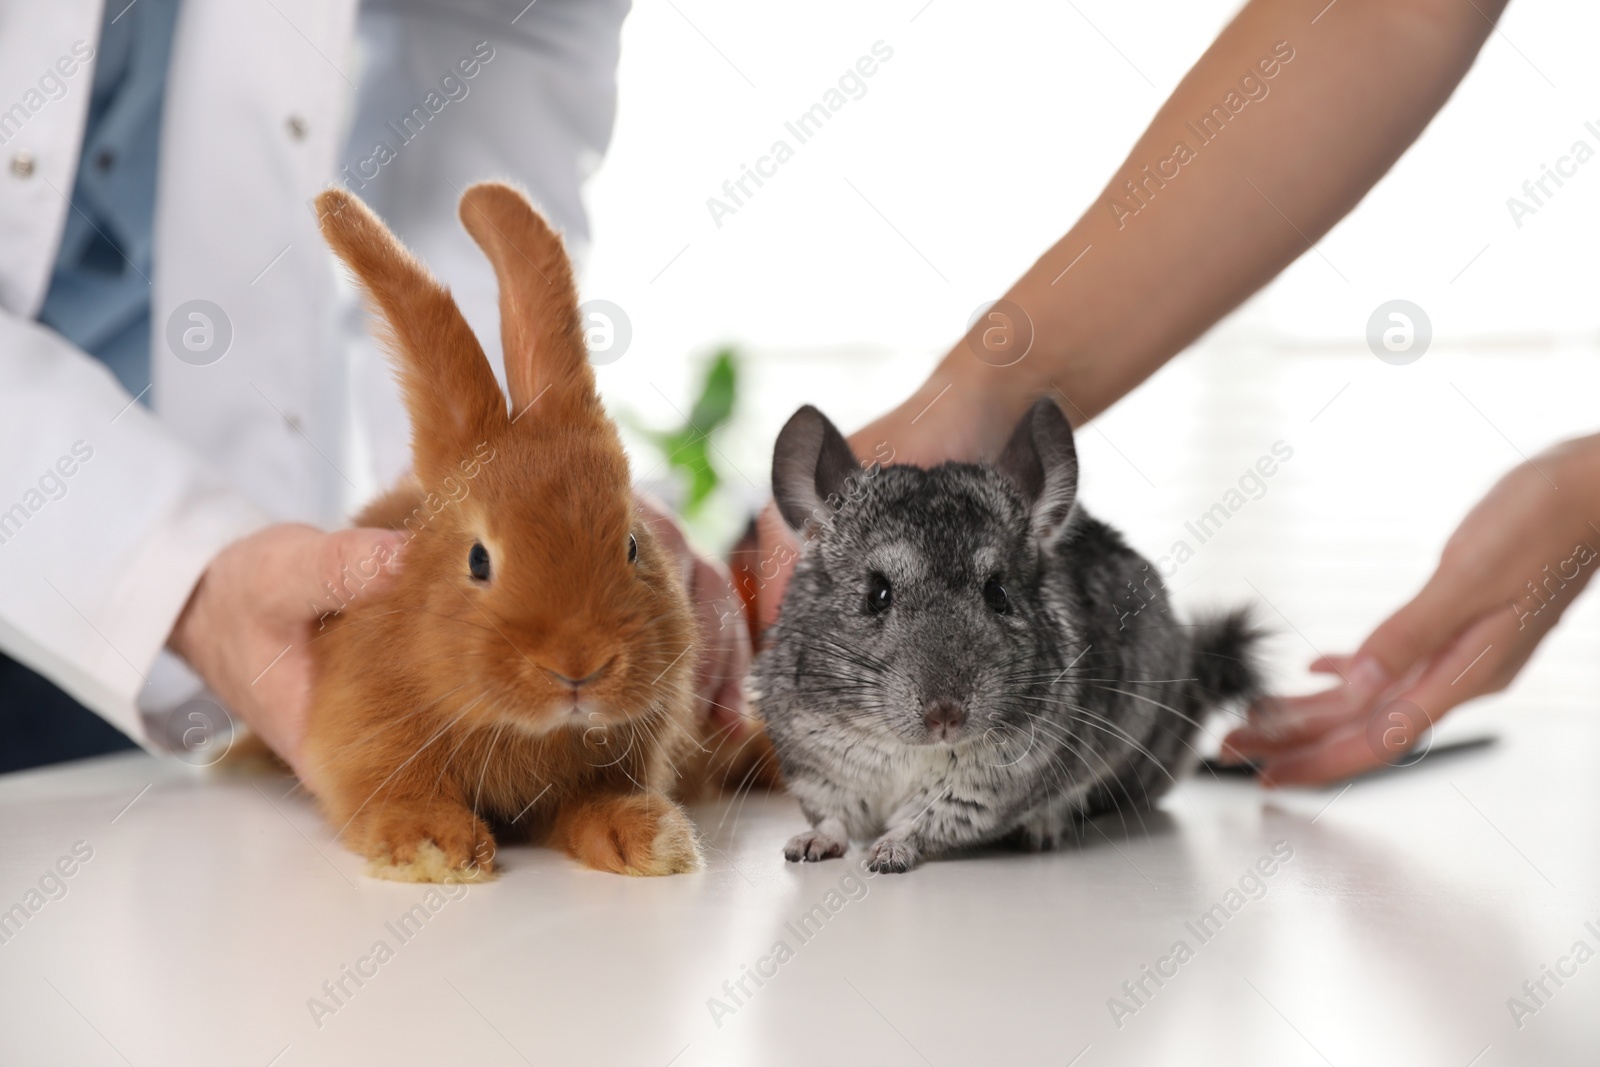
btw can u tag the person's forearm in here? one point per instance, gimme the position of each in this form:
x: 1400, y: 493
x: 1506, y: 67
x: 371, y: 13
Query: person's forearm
x: 1220, y: 194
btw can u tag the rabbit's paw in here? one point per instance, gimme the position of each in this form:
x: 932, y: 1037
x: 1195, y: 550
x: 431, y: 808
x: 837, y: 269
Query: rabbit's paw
x: 638, y: 834
x: 891, y: 854
x: 438, y: 845
x: 814, y: 845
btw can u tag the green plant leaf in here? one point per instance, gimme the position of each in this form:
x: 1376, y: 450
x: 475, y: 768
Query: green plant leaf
x: 715, y: 404
x: 688, y: 449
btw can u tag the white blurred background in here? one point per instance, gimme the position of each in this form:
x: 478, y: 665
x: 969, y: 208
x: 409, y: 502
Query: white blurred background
x: 978, y: 144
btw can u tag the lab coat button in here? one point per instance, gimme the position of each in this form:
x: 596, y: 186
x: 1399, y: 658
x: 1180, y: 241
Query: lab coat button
x: 297, y: 127
x: 22, y: 164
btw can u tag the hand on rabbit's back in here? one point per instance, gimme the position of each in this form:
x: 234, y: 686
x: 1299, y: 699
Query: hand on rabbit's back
x: 964, y: 655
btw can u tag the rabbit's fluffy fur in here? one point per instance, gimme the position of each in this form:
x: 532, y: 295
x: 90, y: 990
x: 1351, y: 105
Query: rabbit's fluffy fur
x: 531, y: 670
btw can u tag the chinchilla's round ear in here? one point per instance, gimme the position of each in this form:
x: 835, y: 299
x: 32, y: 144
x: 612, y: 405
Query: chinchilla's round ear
x: 810, y: 464
x: 1042, y: 462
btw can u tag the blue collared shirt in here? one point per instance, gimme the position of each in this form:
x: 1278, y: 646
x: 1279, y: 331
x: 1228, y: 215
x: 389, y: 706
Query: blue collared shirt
x: 99, y: 296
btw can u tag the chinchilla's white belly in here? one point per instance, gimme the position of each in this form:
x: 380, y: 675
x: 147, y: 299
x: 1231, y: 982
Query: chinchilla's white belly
x: 876, y: 785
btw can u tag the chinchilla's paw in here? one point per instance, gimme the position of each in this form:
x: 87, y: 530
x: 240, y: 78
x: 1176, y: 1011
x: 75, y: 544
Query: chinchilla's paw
x: 891, y: 855
x: 442, y: 845
x: 813, y: 845
x: 1040, y: 833
x: 1034, y: 837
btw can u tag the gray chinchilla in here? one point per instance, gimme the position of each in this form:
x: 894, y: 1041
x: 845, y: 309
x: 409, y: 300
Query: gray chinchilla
x: 965, y: 655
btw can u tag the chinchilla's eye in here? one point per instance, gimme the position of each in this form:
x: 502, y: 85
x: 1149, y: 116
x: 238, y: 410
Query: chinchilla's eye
x: 478, y: 562
x: 994, y: 595
x: 633, y: 549
x: 879, y: 594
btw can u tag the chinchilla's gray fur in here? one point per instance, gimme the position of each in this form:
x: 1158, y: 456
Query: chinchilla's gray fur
x: 1082, y: 697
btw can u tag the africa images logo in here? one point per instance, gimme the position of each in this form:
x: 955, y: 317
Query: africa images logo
x: 1137, y: 192
x: 851, y: 85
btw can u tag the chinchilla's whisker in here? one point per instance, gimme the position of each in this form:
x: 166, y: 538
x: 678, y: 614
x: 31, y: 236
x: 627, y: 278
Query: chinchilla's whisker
x: 1144, y: 786
x: 1092, y: 717
x: 694, y: 741
x: 1058, y: 767
x: 1133, y: 681
x: 724, y: 735
x: 1149, y: 700
x: 1196, y: 723
x: 860, y: 657
x: 1118, y: 782
x: 842, y: 688
x: 1061, y: 736
x: 1072, y: 746
x: 743, y: 791
x: 1033, y: 736
x: 843, y: 683
x: 1100, y: 722
x: 735, y: 711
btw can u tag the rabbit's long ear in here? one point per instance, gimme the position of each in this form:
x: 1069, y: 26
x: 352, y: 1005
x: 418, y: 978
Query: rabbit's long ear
x: 810, y: 465
x: 539, y: 327
x: 1042, y: 462
x: 449, y: 389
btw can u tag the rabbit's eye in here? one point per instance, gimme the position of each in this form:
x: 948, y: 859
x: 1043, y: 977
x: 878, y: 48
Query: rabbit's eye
x: 994, y: 595
x: 478, y: 562
x: 879, y: 594
x: 633, y: 549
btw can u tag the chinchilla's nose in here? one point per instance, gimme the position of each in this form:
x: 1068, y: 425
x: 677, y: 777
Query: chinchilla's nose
x: 944, y: 718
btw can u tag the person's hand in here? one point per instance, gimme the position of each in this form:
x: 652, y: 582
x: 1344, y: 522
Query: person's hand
x: 770, y: 561
x: 1505, y: 577
x: 719, y: 617
x: 248, y: 625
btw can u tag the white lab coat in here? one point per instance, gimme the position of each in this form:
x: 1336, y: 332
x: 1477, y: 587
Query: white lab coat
x: 300, y: 420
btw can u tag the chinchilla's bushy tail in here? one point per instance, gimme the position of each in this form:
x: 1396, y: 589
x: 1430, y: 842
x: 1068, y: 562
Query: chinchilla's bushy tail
x: 1224, y: 656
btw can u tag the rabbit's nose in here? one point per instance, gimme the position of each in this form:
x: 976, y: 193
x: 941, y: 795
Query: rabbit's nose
x: 944, y: 717
x: 576, y: 683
